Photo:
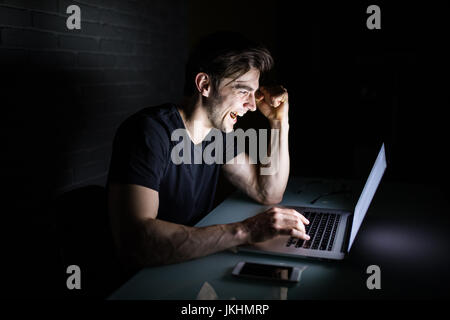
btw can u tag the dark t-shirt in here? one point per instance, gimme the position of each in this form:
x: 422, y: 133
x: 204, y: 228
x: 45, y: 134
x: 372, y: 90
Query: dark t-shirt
x: 143, y: 154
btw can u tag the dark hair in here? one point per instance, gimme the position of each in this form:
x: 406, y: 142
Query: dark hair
x: 224, y: 54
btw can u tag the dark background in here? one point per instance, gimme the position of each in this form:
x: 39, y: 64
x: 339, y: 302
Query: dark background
x: 64, y: 93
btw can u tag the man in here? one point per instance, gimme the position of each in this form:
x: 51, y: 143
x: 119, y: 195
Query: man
x: 153, y: 202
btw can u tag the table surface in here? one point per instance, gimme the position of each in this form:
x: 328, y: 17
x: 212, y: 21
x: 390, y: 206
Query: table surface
x: 404, y: 233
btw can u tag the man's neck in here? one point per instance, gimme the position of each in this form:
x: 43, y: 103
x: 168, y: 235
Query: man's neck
x: 195, y: 120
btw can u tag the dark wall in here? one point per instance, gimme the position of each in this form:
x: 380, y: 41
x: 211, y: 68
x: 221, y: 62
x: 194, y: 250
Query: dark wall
x: 63, y: 94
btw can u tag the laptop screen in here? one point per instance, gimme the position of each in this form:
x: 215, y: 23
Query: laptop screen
x: 367, y: 194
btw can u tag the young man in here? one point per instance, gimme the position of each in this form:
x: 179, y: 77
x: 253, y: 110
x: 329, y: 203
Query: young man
x: 153, y: 201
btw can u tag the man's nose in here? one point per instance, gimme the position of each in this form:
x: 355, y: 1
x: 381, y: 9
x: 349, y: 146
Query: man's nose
x: 251, y: 102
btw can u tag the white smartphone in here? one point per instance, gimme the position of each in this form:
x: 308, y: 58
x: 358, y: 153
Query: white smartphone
x: 278, y: 272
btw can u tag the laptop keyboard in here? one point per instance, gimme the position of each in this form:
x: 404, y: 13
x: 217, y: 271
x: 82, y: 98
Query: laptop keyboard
x: 322, y: 229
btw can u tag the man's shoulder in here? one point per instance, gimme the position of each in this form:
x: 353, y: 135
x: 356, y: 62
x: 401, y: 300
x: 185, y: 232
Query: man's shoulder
x: 163, y: 112
x: 160, y: 120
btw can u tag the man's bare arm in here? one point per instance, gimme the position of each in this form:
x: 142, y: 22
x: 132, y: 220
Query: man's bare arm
x: 144, y: 240
x: 266, y: 183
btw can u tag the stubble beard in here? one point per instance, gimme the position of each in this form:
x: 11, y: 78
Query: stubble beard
x: 214, y: 112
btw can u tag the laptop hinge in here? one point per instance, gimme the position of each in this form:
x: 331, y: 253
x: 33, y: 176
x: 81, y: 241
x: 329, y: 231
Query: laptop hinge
x: 348, y: 227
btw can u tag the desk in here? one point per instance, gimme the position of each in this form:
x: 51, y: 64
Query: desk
x: 398, y: 235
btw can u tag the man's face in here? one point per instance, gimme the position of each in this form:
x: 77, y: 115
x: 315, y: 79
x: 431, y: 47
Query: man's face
x: 233, y: 99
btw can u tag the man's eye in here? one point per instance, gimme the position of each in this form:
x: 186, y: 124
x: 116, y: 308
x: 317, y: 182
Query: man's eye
x: 243, y: 92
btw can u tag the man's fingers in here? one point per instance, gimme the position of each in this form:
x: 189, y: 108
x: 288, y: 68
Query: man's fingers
x: 297, y: 214
x: 274, y: 96
x: 295, y: 224
x: 292, y: 222
x: 277, y: 221
x: 296, y: 234
x: 302, y: 217
x: 267, y: 96
x: 300, y: 235
x: 259, y: 96
x: 281, y: 99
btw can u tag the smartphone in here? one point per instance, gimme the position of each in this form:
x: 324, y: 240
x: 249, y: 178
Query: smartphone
x: 277, y: 272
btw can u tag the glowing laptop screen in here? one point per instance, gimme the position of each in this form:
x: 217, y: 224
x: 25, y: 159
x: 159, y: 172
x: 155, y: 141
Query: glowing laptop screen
x: 367, y: 194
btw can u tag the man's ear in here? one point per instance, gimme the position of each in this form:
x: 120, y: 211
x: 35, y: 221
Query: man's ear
x: 203, y: 84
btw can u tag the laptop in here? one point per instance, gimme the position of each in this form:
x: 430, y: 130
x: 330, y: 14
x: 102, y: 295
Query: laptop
x: 332, y: 231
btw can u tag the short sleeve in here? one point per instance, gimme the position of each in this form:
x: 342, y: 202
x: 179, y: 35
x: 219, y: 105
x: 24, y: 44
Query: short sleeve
x: 140, y: 153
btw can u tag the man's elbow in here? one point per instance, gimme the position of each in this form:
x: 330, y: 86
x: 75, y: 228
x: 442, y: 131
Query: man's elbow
x: 271, y: 200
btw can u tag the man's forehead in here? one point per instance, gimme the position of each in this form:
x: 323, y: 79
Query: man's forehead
x: 249, y: 78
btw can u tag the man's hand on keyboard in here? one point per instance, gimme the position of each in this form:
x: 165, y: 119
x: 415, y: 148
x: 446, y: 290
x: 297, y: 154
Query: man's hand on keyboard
x: 273, y: 222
